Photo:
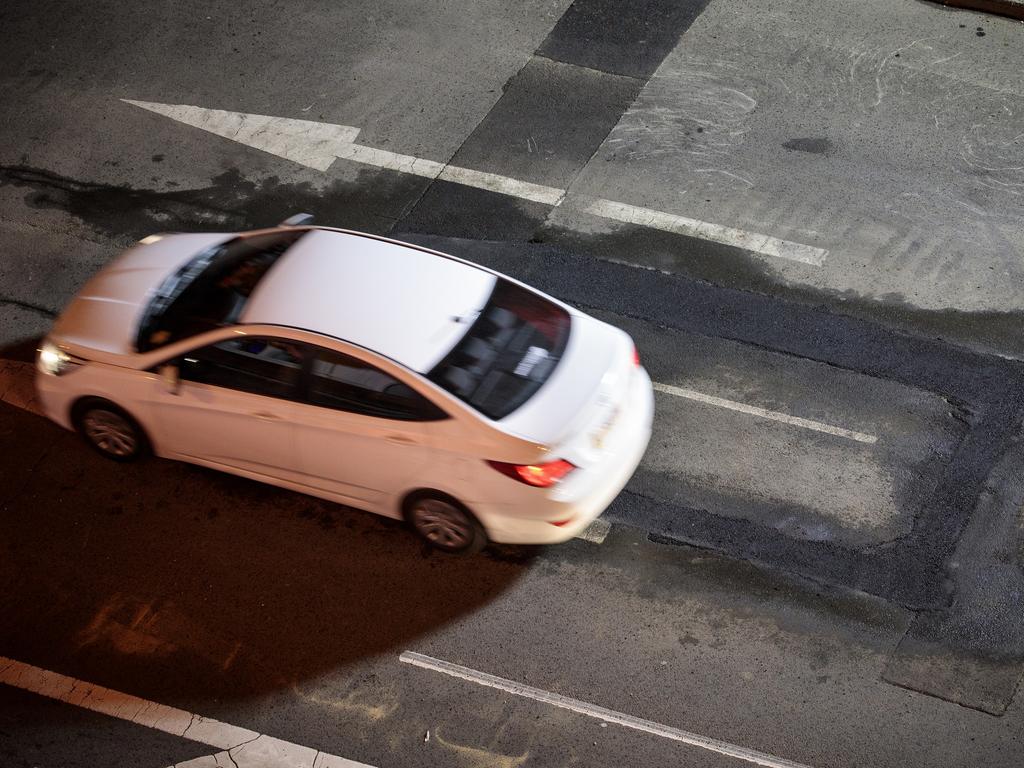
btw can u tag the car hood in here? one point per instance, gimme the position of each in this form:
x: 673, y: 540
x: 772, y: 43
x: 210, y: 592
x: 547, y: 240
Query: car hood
x: 104, y: 314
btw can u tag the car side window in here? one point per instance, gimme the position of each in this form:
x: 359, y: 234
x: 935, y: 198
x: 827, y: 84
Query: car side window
x: 262, y: 366
x: 347, y: 384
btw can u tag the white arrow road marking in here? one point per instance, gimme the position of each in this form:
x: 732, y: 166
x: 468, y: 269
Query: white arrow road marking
x: 302, y: 141
x: 317, y: 145
x: 242, y: 748
x: 600, y: 713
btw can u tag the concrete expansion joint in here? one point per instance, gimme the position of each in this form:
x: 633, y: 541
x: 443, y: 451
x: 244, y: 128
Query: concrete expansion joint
x: 232, y: 757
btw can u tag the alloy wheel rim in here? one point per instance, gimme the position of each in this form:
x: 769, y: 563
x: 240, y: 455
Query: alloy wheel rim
x: 110, y: 432
x: 442, y: 523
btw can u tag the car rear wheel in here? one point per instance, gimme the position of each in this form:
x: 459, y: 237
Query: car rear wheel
x: 110, y: 431
x: 445, y: 524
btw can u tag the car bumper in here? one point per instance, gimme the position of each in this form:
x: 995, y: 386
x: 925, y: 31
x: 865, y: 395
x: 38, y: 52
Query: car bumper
x: 602, y: 483
x: 54, y: 399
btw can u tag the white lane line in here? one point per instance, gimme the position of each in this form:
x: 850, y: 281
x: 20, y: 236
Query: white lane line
x: 317, y: 145
x: 753, y: 410
x: 503, y: 184
x: 245, y: 748
x: 392, y: 161
x: 600, y: 713
x: 682, y: 225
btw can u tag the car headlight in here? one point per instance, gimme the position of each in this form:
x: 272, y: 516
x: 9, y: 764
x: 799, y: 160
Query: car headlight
x: 55, y: 361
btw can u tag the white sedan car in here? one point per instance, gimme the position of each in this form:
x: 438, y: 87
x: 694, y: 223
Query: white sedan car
x: 358, y: 369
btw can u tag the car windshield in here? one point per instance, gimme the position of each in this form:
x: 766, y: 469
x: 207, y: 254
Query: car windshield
x: 510, y: 350
x: 211, y: 290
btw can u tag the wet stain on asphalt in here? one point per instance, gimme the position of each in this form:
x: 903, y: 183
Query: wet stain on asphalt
x: 819, y: 146
x: 229, y: 203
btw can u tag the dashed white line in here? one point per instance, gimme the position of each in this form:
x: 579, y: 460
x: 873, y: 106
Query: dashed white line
x: 753, y: 410
x: 242, y: 747
x: 682, y: 225
x: 595, y: 711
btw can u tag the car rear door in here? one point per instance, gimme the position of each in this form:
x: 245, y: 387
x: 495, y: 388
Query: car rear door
x: 360, y: 432
x: 233, y: 407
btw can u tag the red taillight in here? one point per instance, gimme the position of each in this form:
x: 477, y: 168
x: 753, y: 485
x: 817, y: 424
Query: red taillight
x: 538, y: 475
x: 636, y: 356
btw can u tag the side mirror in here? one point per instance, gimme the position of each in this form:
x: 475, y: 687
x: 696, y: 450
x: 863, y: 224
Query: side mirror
x: 298, y: 220
x: 170, y: 377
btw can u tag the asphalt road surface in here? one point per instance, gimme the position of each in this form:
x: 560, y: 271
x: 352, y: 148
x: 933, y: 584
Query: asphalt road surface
x: 809, y: 220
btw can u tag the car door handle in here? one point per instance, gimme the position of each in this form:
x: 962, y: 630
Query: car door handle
x: 265, y: 415
x: 400, y: 440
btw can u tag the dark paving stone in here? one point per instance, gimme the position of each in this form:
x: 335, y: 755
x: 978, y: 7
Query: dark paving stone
x: 624, y: 37
x: 928, y: 661
x: 454, y: 209
x: 987, y: 392
x: 548, y: 123
x: 733, y: 267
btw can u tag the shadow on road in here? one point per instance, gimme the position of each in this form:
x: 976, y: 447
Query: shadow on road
x: 23, y: 350
x: 171, y: 581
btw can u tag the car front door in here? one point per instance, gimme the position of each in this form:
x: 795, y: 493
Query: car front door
x: 361, y: 433
x: 233, y: 406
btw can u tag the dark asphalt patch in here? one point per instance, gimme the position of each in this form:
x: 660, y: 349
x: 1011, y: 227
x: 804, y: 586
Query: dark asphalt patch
x: 623, y: 37
x: 970, y: 676
x: 737, y: 268
x: 456, y: 210
x: 967, y: 644
x: 982, y: 668
x: 548, y: 123
x: 546, y: 126
x: 988, y: 391
x: 554, y: 114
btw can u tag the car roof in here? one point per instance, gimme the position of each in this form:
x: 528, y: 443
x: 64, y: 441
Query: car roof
x: 403, y: 302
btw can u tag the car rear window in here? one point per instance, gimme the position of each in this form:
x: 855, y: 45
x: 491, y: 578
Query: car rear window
x: 508, y: 353
x: 211, y: 290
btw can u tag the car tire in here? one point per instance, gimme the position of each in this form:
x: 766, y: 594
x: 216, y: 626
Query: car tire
x: 444, y: 523
x: 110, y: 430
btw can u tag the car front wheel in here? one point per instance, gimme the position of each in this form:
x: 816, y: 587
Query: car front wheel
x: 110, y: 431
x: 445, y: 524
